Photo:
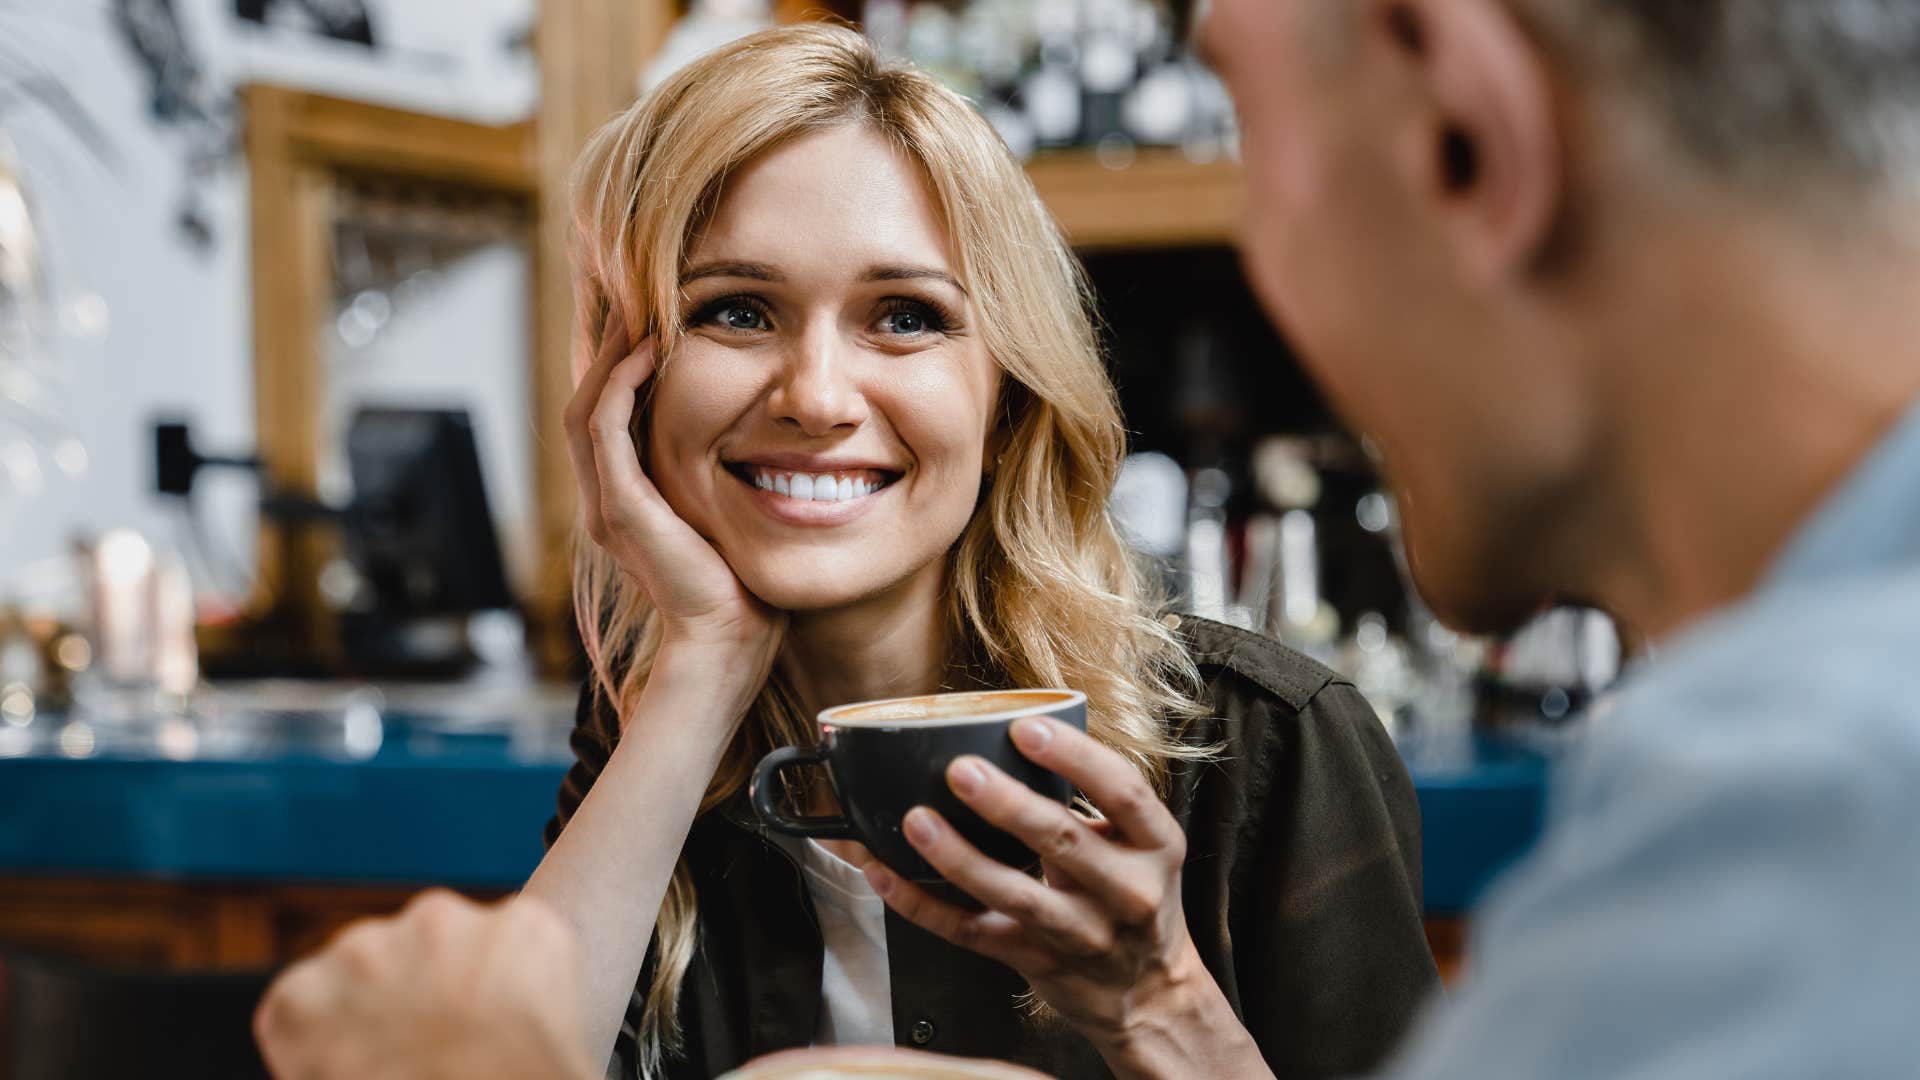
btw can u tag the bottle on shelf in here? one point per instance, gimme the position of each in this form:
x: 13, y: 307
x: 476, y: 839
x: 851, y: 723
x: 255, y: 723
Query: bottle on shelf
x: 1052, y: 74
x: 1208, y: 563
x: 1109, y: 67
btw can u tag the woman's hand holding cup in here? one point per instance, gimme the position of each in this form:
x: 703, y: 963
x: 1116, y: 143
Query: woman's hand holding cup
x: 714, y: 629
x: 1102, y: 936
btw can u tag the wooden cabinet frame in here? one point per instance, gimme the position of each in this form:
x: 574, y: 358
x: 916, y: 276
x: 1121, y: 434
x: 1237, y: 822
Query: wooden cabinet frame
x: 301, y: 149
x: 300, y: 145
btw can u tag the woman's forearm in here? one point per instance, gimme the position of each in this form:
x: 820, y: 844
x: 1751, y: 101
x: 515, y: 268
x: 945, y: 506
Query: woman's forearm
x: 608, y: 871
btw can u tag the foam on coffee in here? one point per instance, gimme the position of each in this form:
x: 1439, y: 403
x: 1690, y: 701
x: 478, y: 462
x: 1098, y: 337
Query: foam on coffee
x: 875, y: 1063
x: 974, y: 707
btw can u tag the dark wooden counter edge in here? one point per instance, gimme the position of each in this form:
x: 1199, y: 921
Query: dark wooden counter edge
x: 1447, y: 937
x: 179, y: 926
x: 201, y: 926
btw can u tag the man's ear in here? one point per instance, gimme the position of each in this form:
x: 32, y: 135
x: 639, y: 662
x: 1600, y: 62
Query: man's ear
x: 1490, y: 153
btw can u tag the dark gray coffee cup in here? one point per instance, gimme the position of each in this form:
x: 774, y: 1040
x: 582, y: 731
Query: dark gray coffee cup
x: 886, y: 757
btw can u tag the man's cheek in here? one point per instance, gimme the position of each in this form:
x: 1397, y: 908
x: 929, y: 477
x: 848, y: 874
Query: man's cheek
x: 1266, y: 244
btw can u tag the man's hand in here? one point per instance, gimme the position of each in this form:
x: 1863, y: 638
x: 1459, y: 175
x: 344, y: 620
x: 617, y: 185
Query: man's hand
x: 447, y: 988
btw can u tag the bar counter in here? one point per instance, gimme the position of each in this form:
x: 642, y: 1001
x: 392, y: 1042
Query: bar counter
x: 274, y: 826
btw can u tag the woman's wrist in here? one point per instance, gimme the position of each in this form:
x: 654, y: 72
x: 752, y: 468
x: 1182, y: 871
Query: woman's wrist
x: 674, y: 739
x: 1185, y: 1027
x: 709, y: 685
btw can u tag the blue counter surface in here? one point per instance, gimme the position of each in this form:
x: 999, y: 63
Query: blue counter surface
x: 464, y: 806
x: 1482, y: 805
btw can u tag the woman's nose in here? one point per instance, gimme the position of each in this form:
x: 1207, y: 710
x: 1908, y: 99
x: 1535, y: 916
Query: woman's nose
x: 816, y: 391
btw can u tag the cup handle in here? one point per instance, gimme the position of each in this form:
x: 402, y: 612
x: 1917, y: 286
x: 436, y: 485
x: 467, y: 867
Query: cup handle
x: 762, y: 792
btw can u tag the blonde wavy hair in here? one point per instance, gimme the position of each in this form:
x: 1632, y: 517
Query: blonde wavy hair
x: 1043, y: 592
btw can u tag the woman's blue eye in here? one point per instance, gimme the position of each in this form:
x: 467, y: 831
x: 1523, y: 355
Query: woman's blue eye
x: 738, y: 317
x: 906, y: 322
x: 912, y: 319
x: 741, y: 314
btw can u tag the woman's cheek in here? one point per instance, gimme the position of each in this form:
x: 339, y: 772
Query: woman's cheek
x: 955, y: 460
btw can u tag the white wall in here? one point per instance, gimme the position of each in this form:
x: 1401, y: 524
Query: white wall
x: 430, y: 356
x: 177, y: 335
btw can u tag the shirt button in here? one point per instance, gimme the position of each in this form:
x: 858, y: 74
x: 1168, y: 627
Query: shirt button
x: 921, y: 1033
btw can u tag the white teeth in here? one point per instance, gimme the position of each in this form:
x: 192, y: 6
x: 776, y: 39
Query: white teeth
x: 815, y: 487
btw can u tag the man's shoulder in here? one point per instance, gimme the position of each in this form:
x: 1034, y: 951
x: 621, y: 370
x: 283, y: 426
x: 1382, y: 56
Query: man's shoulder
x: 1729, y: 869
x: 1833, y: 661
x: 1807, y: 694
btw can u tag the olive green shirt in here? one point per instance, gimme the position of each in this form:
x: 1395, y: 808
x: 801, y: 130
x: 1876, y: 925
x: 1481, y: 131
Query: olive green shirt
x: 1301, y: 889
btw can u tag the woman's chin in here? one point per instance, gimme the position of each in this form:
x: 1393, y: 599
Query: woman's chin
x: 797, y: 594
x: 820, y: 576
x: 804, y: 601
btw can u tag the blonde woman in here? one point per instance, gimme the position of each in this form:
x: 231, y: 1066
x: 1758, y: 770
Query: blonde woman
x: 843, y: 432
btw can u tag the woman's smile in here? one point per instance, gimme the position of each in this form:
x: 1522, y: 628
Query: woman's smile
x: 811, y: 494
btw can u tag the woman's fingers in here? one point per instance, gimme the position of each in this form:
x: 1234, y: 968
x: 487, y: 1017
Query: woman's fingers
x: 614, y: 342
x: 1125, y: 882
x: 622, y: 482
x: 591, y: 370
x: 614, y: 491
x: 587, y: 476
x: 1108, y: 781
x: 992, y: 934
x: 1073, y: 923
x: 1058, y: 876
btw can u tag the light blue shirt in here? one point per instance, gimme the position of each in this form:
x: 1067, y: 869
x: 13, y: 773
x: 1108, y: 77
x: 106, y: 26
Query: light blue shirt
x: 1729, y: 882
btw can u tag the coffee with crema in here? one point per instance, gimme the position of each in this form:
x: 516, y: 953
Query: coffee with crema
x: 975, y: 707
x: 886, y: 757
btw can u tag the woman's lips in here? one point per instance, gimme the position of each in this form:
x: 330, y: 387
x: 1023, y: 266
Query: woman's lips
x: 813, y: 498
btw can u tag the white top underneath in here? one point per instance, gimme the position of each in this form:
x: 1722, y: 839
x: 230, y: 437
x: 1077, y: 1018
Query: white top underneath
x: 856, y: 994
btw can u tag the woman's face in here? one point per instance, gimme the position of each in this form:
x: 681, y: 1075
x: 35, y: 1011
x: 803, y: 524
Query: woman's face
x: 824, y: 421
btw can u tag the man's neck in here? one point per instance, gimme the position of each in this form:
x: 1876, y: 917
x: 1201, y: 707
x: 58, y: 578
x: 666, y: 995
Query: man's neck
x: 1764, y: 365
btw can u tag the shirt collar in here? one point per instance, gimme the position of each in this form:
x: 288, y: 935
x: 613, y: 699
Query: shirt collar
x: 1872, y: 520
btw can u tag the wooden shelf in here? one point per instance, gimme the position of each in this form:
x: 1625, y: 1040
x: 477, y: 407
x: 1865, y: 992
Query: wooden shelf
x: 797, y: 10
x: 1159, y: 200
x: 343, y: 134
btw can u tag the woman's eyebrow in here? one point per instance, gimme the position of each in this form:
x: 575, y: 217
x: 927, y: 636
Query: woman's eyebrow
x: 755, y: 271
x: 763, y: 272
x: 915, y: 273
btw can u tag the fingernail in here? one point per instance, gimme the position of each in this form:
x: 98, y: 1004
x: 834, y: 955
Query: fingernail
x: 1031, y: 734
x: 919, y: 825
x: 879, y: 879
x: 966, y: 776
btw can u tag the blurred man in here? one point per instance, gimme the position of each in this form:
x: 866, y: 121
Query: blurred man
x: 1625, y: 291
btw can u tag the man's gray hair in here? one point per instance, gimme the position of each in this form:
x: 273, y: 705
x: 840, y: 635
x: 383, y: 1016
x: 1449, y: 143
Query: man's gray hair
x: 1767, y: 91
